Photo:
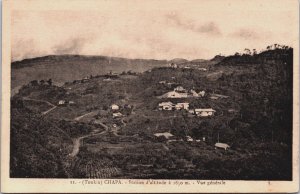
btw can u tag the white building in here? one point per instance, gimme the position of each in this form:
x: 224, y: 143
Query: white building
x: 182, y: 105
x: 173, y: 65
x: 204, y: 112
x: 174, y: 94
x: 61, y: 102
x: 117, y: 114
x: 179, y: 89
x: 217, y: 96
x: 165, y: 106
x: 162, y: 82
x: 222, y: 145
x: 189, y: 138
x: 114, y: 107
x: 167, y: 135
x: 194, y: 93
x: 202, y: 93
x: 191, y: 111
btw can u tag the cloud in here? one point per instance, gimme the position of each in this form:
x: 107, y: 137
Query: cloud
x: 246, y: 34
x: 25, y: 48
x: 208, y: 28
x: 71, y: 46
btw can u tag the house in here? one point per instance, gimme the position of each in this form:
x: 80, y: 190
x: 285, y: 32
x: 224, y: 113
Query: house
x: 214, y: 98
x: 114, y: 107
x: 217, y: 96
x: 116, y: 115
x: 107, y: 79
x: 204, y: 112
x: 182, y: 105
x: 173, y: 65
x: 165, y: 106
x: 202, y: 69
x: 71, y: 102
x: 194, y: 93
x: 61, y: 102
x: 187, y: 67
x: 189, y: 138
x: 86, y: 79
x: 202, y: 93
x: 192, y: 111
x: 167, y: 135
x: 174, y: 94
x: 162, y: 82
x: 179, y: 89
x: 222, y: 145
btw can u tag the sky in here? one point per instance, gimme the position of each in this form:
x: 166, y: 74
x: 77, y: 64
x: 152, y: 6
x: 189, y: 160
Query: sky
x: 152, y: 29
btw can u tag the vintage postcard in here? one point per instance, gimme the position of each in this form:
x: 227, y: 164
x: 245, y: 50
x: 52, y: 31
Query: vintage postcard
x: 167, y: 96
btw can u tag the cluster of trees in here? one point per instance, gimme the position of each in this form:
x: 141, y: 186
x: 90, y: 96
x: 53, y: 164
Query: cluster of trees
x: 37, y: 146
x: 248, y: 51
x: 41, y: 82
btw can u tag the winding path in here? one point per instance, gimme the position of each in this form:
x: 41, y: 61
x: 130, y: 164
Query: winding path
x: 47, y: 102
x: 77, y: 141
x: 80, y: 117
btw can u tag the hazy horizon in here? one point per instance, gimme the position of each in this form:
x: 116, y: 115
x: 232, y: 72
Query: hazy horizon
x: 161, y: 30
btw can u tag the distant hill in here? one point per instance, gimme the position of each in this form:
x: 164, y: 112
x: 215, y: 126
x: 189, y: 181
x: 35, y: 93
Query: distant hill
x: 198, y: 60
x: 178, y: 60
x: 203, y: 63
x: 62, y: 68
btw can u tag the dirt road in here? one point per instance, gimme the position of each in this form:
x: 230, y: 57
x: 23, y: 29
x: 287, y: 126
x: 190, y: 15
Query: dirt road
x: 77, y: 141
x: 49, y: 103
x: 87, y: 114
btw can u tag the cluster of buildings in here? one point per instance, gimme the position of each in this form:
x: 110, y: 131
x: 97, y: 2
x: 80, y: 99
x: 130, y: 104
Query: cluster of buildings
x: 202, y: 112
x: 172, y: 106
x: 174, y: 65
x: 180, y: 92
x: 115, y: 108
x: 171, y: 138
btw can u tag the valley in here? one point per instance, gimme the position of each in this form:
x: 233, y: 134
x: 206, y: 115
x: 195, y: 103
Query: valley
x: 227, y: 118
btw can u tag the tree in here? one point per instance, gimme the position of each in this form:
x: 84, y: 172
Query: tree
x: 49, y: 82
x: 248, y: 52
x: 34, y: 83
x: 42, y: 82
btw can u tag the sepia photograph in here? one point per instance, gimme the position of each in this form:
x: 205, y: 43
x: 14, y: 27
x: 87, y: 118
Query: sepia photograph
x: 131, y: 93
